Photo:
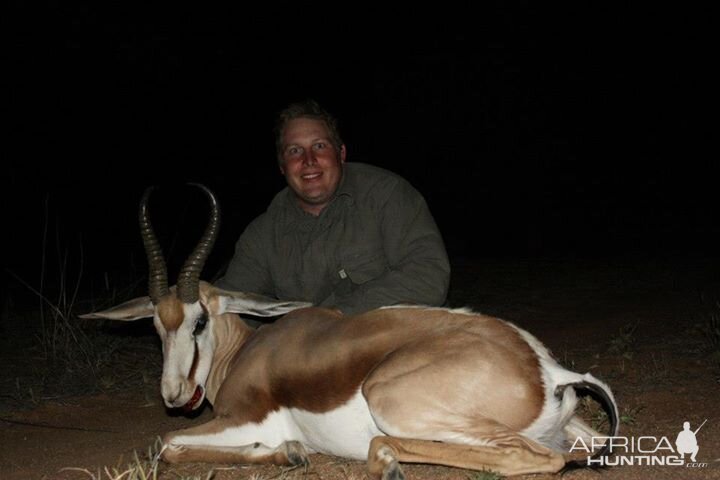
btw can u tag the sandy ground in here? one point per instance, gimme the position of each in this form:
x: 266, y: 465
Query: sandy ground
x: 636, y: 324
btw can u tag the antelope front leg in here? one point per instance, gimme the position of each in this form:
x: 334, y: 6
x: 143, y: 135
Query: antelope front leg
x: 214, y: 442
x: 288, y: 453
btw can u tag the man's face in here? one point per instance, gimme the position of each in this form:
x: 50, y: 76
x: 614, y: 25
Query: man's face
x: 311, y: 164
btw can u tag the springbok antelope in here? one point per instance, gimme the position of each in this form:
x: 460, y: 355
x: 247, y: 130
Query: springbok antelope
x: 397, y: 384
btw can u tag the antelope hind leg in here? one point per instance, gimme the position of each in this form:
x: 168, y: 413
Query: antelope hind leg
x: 387, y: 452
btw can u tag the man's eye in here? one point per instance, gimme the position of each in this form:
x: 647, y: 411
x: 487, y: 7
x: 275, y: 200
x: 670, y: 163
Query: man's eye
x: 293, y: 151
x: 200, y: 324
x: 319, y: 146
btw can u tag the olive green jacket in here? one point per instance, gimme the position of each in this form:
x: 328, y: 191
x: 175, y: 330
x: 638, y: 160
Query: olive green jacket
x: 375, y: 244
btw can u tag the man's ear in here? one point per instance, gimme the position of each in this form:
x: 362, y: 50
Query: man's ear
x: 343, y: 153
x: 253, y: 304
x: 134, y: 309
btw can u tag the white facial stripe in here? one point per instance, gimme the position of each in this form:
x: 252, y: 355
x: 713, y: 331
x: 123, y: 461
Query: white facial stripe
x: 191, y: 311
x: 159, y: 327
x: 179, y: 349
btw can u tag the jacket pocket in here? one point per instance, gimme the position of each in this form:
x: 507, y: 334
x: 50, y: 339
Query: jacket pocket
x: 363, y: 265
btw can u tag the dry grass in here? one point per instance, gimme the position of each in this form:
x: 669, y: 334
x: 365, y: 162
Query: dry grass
x: 149, y: 467
x: 485, y: 475
x: 710, y: 330
x: 66, y: 357
x: 55, y: 354
x: 707, y: 327
x: 146, y: 468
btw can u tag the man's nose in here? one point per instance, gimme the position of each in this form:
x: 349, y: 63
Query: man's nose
x: 309, y: 157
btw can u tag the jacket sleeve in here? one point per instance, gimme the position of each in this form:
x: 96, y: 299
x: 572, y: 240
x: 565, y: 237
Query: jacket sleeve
x: 248, y: 269
x: 418, y: 270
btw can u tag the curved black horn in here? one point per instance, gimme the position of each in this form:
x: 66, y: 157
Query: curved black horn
x: 188, y: 284
x: 157, y: 270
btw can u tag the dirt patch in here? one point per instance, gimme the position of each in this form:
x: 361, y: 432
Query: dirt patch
x: 636, y: 324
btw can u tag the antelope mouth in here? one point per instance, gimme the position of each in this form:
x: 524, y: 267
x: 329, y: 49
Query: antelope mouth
x: 197, y: 397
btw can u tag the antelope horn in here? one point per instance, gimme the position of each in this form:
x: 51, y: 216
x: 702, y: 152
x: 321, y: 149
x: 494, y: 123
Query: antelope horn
x: 157, y: 270
x: 188, y: 284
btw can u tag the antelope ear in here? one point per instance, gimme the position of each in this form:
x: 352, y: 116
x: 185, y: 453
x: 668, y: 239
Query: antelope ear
x: 134, y: 309
x: 253, y: 304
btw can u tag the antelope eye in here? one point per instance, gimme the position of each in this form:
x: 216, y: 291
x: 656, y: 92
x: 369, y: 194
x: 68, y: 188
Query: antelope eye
x: 200, y: 324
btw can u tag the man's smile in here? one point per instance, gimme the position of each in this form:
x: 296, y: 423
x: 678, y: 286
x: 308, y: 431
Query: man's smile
x: 311, y: 176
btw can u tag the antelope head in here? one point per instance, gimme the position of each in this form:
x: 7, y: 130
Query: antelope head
x: 184, y: 315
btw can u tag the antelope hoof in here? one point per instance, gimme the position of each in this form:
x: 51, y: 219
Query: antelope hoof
x: 296, y: 453
x: 393, y: 471
x: 171, y: 453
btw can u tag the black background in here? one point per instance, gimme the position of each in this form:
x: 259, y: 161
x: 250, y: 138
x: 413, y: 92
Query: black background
x: 532, y: 131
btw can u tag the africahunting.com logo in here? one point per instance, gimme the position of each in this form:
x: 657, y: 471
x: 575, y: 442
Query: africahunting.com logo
x: 644, y: 450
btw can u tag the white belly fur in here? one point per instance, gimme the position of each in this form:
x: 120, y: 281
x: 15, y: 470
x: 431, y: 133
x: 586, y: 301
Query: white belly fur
x: 344, y: 432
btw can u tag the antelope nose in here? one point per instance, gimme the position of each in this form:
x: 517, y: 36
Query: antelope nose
x: 171, y: 393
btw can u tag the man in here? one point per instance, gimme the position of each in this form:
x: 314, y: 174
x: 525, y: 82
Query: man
x: 343, y: 235
x: 687, y: 443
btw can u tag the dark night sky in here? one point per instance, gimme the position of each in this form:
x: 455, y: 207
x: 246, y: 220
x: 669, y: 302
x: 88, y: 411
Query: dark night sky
x: 568, y: 132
